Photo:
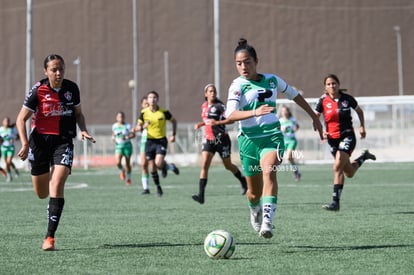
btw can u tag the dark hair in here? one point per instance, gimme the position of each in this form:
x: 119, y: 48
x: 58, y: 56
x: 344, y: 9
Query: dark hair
x: 120, y: 113
x: 154, y: 93
x: 334, y: 77
x: 243, y: 46
x: 288, y: 110
x: 143, y: 98
x: 51, y: 57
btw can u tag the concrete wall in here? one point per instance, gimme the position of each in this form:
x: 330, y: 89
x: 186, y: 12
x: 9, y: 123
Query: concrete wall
x: 301, y: 41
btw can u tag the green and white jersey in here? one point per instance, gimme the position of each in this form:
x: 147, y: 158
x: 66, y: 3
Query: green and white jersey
x: 288, y: 127
x: 246, y: 95
x: 121, y: 132
x: 8, y: 135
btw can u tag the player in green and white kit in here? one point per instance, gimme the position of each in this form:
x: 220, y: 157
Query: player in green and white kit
x: 143, y: 159
x: 289, y: 125
x: 252, y: 102
x: 8, y: 134
x: 122, y: 135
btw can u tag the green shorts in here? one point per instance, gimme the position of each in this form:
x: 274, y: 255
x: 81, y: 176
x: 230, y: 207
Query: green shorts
x: 7, y: 151
x: 252, y: 150
x: 124, y: 149
x: 290, y: 143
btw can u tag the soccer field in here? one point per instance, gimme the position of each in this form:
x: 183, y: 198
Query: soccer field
x: 110, y: 228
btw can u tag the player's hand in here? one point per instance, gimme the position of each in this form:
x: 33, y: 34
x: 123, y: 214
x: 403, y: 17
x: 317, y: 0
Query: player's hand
x: 24, y: 151
x: 317, y: 126
x: 171, y: 138
x: 362, y: 132
x: 85, y: 134
x: 264, y: 110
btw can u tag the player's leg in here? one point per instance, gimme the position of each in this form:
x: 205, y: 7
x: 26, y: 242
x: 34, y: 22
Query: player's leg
x: 144, y: 173
x: 118, y: 160
x: 269, y: 163
x: 9, y: 166
x: 127, y: 152
x: 254, y: 179
x: 206, y: 158
x: 58, y: 176
x: 61, y: 168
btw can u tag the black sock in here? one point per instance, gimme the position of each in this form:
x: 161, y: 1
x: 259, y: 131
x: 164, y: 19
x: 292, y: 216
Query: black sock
x: 337, y: 191
x: 54, y: 211
x: 360, y: 160
x: 238, y: 175
x: 202, y: 187
x: 156, y: 178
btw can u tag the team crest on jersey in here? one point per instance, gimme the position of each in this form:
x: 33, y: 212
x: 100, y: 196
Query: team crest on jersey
x: 329, y: 105
x: 68, y: 95
x: 236, y: 93
x: 272, y: 84
x: 344, y: 104
x: 213, y: 109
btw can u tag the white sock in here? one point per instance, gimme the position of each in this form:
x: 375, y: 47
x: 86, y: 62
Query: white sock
x: 144, y: 180
x: 269, y: 211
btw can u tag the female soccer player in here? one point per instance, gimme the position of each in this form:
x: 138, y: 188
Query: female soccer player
x: 155, y: 120
x: 121, y: 136
x: 289, y: 126
x: 143, y: 159
x: 252, y: 102
x: 216, y: 140
x: 54, y: 103
x: 335, y: 106
x: 8, y: 135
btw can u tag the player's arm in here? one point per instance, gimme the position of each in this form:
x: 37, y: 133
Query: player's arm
x: 131, y: 133
x: 360, y: 114
x: 80, y: 120
x: 22, y: 117
x: 174, y: 126
x: 317, y: 126
x: 198, y: 125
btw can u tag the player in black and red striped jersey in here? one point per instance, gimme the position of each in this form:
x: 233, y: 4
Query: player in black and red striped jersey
x: 216, y: 140
x: 335, y: 106
x: 54, y: 105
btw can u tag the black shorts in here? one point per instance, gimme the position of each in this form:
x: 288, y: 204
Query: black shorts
x: 221, y: 145
x: 48, y: 150
x: 155, y: 147
x: 346, y: 144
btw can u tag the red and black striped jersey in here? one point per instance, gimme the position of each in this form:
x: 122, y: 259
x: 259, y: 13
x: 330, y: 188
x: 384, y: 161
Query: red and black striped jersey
x: 337, y: 113
x: 214, y: 111
x: 53, y: 109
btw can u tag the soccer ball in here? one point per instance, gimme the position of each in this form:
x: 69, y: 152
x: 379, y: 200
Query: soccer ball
x: 219, y: 244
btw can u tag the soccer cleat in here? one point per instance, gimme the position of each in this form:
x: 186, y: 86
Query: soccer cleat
x: 9, y: 177
x: 198, y: 198
x: 333, y: 206
x: 256, y: 219
x: 145, y: 192
x: 48, y: 244
x: 244, y: 186
x: 266, y: 230
x: 3, y: 172
x: 122, y: 175
x: 128, y: 182
x: 164, y: 170
x: 174, y: 168
x: 159, y: 191
x: 297, y: 175
x: 367, y: 155
x: 17, y: 173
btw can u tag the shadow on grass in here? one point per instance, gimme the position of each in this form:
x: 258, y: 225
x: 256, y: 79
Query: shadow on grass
x: 312, y: 248
x: 146, y: 245
x: 405, y: 212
